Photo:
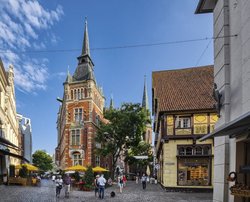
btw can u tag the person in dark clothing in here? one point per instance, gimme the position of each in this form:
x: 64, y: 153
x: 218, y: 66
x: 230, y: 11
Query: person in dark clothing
x: 144, y: 181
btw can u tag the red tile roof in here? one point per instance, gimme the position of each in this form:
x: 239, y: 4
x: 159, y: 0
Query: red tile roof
x: 184, y: 89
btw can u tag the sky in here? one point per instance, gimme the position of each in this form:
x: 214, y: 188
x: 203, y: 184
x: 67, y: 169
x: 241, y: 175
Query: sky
x: 128, y: 39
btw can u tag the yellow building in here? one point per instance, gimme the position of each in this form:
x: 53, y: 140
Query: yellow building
x: 183, y: 109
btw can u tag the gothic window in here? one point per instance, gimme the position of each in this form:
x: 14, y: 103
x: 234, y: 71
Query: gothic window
x: 85, y: 92
x: 75, y: 137
x: 71, y: 95
x: 78, y: 115
x: 77, y: 160
x: 82, y: 95
x: 78, y: 94
x: 75, y: 94
x: 97, y: 160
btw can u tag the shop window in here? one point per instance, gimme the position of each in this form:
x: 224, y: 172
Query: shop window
x: 194, y: 172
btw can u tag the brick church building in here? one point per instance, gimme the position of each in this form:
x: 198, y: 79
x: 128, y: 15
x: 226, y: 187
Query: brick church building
x: 80, y: 113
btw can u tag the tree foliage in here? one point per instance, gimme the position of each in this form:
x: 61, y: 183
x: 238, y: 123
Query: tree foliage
x: 42, y: 160
x: 89, y: 177
x: 124, y: 130
x: 142, y: 149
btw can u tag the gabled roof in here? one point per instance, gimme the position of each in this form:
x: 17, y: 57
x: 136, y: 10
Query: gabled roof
x: 184, y: 89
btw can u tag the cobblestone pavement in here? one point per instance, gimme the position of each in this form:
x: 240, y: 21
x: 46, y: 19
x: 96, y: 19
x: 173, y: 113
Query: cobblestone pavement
x: 131, y: 193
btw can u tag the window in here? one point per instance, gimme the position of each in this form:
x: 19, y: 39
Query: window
x: 85, y: 92
x: 97, y: 160
x: 82, y: 95
x: 71, y: 95
x: 198, y: 151
x: 75, y: 94
x: 78, y: 115
x: 77, y: 160
x: 181, y: 151
x: 194, y: 171
x: 206, y: 150
x: 183, y: 122
x: 75, y: 137
x: 189, y: 151
x: 78, y: 94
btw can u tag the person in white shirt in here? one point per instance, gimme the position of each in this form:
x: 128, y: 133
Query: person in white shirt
x: 101, y: 181
x: 59, y: 183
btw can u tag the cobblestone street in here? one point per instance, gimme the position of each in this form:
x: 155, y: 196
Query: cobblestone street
x: 131, y: 193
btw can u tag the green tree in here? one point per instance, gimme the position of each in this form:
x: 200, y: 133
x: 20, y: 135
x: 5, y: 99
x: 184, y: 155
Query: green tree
x: 42, y: 160
x: 142, y: 149
x: 124, y: 130
x: 89, y: 178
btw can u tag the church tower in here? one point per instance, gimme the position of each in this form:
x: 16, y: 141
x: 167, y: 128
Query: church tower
x: 80, y: 113
x: 148, y: 134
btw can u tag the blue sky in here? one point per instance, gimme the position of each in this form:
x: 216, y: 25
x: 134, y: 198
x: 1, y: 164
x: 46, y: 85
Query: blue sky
x: 28, y: 29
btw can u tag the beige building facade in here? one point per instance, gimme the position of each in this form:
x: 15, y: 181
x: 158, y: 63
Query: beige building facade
x: 10, y: 152
x: 184, y: 112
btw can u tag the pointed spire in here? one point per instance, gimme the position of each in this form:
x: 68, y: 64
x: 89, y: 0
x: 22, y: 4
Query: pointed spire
x: 85, y: 47
x: 111, y: 106
x: 145, y: 95
x: 68, y: 79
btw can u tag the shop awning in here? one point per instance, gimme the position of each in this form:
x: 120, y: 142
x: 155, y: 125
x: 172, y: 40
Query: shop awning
x: 232, y: 129
x: 6, y: 152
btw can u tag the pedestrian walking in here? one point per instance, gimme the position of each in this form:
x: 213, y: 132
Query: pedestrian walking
x: 96, y: 186
x: 144, y: 181
x: 59, y: 185
x: 67, y: 182
x: 137, y: 178
x: 120, y: 183
x: 101, y: 181
x: 124, y: 179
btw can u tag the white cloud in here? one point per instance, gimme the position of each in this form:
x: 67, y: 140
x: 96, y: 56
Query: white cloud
x: 20, y: 24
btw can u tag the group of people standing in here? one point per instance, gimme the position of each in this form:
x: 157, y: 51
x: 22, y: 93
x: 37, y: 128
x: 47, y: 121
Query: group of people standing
x: 99, y: 183
x: 59, y: 185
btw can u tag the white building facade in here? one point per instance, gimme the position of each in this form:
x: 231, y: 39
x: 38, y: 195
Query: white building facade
x: 232, y: 77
